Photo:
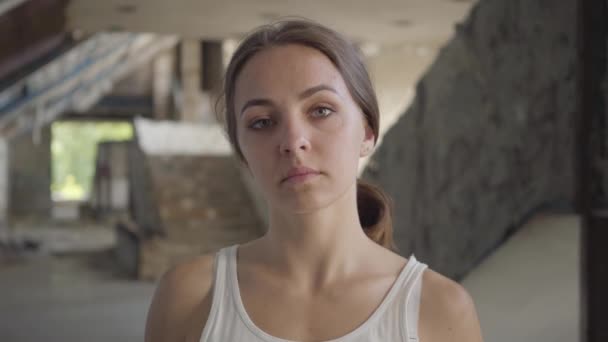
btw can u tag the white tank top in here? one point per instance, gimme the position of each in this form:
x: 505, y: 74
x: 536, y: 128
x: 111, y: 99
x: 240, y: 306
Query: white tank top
x: 395, y: 319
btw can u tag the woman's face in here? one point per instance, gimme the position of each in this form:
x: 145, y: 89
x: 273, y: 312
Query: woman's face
x: 293, y: 110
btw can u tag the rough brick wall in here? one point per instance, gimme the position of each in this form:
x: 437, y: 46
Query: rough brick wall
x: 202, y: 197
x: 194, y: 205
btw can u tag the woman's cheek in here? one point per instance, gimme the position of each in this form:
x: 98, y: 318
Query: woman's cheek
x: 246, y: 146
x: 332, y: 123
x: 255, y: 150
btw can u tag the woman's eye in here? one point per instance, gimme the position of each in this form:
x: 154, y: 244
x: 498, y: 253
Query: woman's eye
x: 322, y: 111
x: 261, y: 123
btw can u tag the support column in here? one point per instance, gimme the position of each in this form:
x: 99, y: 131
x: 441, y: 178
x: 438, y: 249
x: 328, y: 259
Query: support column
x: 211, y: 76
x: 213, y: 68
x: 592, y: 168
x: 190, y: 72
x: 162, y: 82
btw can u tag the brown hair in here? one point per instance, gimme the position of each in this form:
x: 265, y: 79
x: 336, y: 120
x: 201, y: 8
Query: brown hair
x: 373, y: 205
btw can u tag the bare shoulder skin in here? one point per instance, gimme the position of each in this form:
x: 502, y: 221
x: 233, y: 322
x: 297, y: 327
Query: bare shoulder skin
x: 447, y: 311
x: 182, y: 301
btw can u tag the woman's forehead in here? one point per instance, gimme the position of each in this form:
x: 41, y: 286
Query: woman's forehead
x: 289, y: 68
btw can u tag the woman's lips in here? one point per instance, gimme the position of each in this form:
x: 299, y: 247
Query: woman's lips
x: 298, y: 171
x: 300, y: 178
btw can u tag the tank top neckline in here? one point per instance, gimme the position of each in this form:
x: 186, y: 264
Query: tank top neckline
x: 402, y: 278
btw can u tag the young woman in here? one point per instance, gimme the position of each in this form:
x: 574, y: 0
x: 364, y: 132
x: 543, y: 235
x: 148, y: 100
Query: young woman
x: 300, y: 113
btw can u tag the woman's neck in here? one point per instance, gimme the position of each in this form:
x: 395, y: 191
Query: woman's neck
x: 317, y: 247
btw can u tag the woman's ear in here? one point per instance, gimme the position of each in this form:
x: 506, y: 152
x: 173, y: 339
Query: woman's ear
x: 367, y: 146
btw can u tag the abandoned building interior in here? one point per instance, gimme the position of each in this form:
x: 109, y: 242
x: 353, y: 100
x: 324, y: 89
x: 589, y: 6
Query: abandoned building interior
x: 114, y: 167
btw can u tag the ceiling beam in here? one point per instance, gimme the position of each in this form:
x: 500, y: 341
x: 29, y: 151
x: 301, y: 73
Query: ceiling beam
x: 386, y: 22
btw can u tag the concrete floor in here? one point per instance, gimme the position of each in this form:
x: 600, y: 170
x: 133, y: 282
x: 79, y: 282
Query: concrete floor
x: 525, y: 291
x: 57, y: 299
x: 528, y: 290
x: 77, y: 295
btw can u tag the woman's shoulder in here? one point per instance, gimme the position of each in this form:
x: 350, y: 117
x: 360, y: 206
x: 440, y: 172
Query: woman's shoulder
x: 447, y: 311
x: 182, y: 300
x: 193, y: 276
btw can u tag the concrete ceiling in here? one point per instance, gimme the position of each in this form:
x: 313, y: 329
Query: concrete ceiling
x: 386, y: 22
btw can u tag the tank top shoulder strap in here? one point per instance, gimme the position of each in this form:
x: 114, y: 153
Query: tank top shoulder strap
x: 413, y: 288
x: 220, y: 270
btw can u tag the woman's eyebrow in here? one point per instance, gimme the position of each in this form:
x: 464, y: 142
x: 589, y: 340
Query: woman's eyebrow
x: 256, y: 102
x: 310, y: 91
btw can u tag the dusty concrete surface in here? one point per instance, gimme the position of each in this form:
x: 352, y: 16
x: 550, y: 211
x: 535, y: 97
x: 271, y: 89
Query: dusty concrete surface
x: 74, y: 294
x: 60, y: 299
x: 63, y: 237
x: 528, y: 290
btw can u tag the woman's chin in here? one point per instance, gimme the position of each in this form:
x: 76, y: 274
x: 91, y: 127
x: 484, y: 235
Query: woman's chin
x: 301, y: 205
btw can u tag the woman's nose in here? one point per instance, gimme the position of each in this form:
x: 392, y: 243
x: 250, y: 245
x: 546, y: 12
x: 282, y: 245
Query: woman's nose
x: 294, y: 138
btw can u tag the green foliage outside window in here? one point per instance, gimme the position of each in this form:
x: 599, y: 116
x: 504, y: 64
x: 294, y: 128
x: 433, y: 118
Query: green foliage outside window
x: 73, y: 153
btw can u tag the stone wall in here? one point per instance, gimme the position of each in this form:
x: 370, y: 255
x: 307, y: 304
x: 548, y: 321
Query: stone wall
x: 489, y: 137
x: 201, y: 205
x: 202, y: 197
x: 30, y: 175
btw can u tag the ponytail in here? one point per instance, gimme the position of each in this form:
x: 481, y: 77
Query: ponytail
x: 375, y: 214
